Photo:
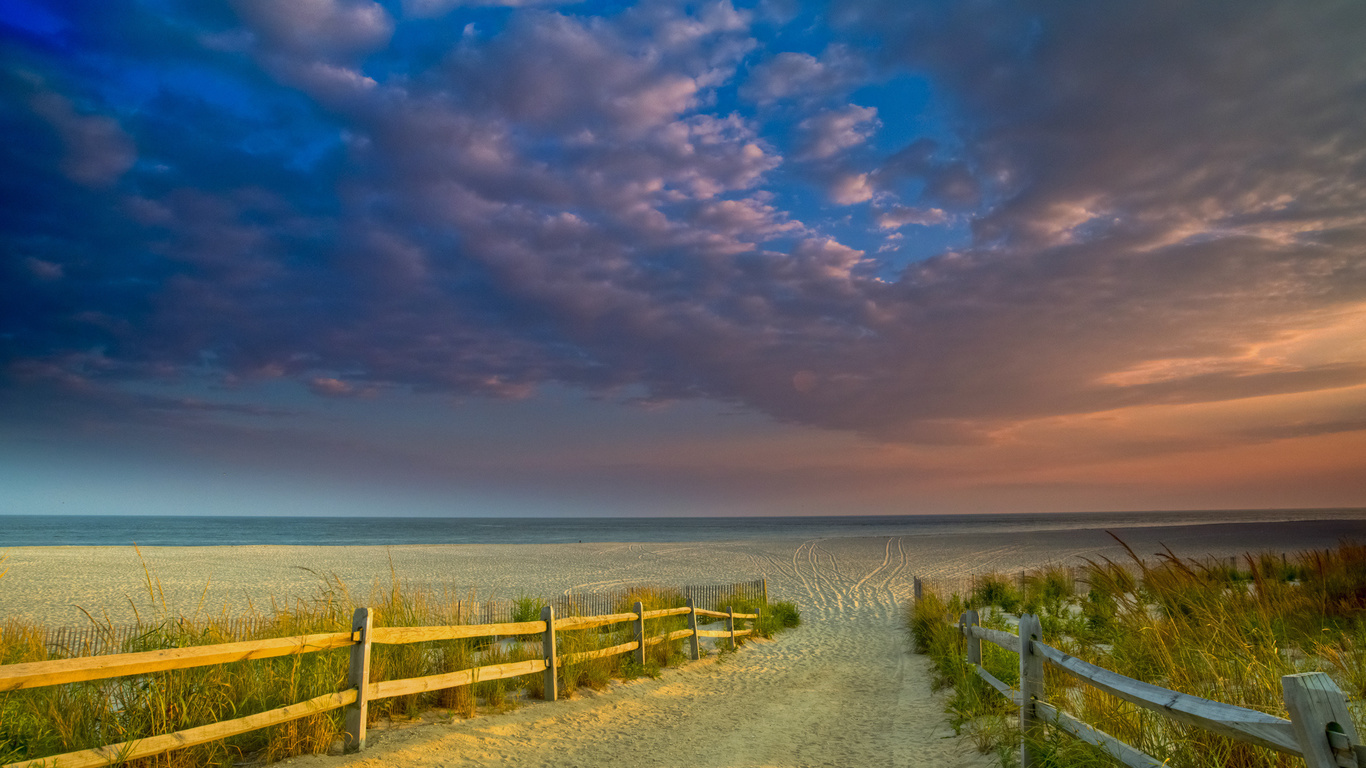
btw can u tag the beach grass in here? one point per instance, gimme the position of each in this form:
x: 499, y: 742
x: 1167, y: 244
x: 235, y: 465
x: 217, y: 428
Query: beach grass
x: 1220, y: 632
x: 40, y: 722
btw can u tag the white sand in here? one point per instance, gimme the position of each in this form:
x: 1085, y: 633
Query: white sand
x: 841, y: 691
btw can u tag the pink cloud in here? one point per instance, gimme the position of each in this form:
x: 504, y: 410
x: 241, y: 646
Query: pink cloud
x: 319, y: 27
x: 850, y: 189
x: 899, y: 216
x: 803, y: 76
x: 833, y: 131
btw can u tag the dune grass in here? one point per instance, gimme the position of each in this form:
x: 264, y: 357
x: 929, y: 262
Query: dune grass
x: 40, y: 722
x: 1207, y: 629
x: 773, y: 618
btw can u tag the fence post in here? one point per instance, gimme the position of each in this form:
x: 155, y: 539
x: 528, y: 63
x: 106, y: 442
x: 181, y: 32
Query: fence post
x: 552, y: 689
x: 1317, y: 708
x: 1031, y: 687
x: 640, y: 634
x: 965, y: 624
x: 765, y: 590
x: 358, y: 677
x: 693, y: 650
x: 917, y: 590
x: 730, y: 624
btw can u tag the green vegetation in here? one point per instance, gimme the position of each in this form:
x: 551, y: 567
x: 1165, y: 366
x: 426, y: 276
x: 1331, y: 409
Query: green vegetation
x: 596, y: 673
x: 773, y: 618
x: 39, y: 722
x: 1214, y: 631
x: 779, y: 616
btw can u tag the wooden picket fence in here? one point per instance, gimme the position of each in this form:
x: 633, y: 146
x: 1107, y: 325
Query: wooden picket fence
x: 1320, y: 727
x: 360, y: 691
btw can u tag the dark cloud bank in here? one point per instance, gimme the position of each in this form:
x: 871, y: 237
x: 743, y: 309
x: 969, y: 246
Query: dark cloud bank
x: 333, y: 192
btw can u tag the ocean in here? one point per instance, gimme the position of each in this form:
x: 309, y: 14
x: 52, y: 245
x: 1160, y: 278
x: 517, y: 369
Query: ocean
x: 191, y: 531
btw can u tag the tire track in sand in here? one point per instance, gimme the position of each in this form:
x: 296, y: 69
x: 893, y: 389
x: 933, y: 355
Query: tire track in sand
x: 840, y: 690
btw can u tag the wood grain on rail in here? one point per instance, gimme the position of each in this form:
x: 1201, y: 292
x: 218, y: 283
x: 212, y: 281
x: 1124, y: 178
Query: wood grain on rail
x: 587, y: 622
x: 662, y: 612
x: 1225, y: 719
x: 675, y: 635
x: 405, y: 635
x: 1004, y: 639
x: 724, y: 615
x: 600, y: 653
x: 1091, y: 735
x: 155, y: 745
x: 391, y: 688
x: 995, y: 682
x: 36, y: 674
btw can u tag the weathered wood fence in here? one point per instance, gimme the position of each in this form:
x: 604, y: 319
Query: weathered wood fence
x: 360, y: 690
x: 1320, y: 727
x: 93, y: 639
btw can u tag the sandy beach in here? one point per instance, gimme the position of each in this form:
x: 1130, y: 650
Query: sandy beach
x: 841, y: 690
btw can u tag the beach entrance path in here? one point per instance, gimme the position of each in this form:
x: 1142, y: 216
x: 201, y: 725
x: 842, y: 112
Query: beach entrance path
x: 841, y: 690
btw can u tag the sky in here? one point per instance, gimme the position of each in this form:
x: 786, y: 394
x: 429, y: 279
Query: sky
x: 526, y: 257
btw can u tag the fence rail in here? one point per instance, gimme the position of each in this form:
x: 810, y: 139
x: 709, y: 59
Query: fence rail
x: 95, y: 640
x: 1320, y: 727
x: 361, y: 691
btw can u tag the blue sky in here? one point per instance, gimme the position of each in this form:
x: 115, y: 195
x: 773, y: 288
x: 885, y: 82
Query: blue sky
x: 451, y: 257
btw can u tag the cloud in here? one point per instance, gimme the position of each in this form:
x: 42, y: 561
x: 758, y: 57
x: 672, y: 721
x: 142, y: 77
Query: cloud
x: 1140, y: 115
x: 1301, y: 429
x: 43, y: 270
x: 97, y: 151
x: 746, y: 218
x: 327, y: 386
x: 944, y: 182
x: 899, y: 216
x: 796, y: 75
x: 434, y: 8
x: 567, y: 74
x: 851, y: 188
x: 1157, y: 200
x: 829, y: 259
x: 832, y: 131
x: 328, y: 28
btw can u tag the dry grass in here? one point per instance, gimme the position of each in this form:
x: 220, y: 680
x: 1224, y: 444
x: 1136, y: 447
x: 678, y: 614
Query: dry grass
x: 1221, y: 633
x: 37, y: 723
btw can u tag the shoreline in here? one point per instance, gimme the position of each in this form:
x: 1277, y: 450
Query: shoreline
x: 210, y: 531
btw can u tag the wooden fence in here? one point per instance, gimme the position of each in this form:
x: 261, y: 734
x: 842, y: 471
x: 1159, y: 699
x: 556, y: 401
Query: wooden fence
x: 93, y: 639
x: 360, y: 690
x: 1320, y: 727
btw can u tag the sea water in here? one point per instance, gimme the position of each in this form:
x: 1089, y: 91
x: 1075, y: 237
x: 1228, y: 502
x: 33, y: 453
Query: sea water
x: 72, y: 530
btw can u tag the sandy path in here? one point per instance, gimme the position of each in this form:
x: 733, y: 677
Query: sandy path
x: 842, y: 690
